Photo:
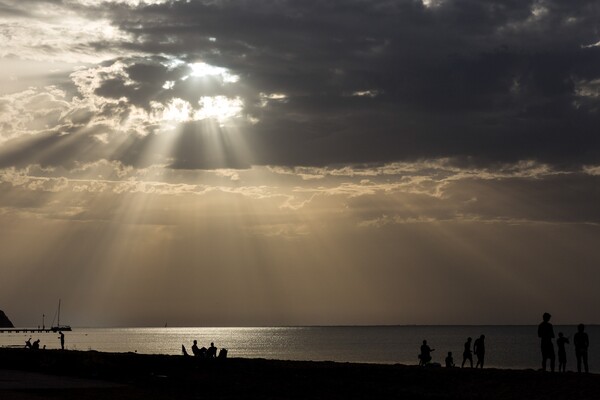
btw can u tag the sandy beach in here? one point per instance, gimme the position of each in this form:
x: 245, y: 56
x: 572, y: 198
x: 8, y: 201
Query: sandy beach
x: 52, y: 374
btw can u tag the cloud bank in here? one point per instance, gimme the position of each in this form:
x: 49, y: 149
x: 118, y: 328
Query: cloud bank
x: 310, y: 83
x: 319, y: 162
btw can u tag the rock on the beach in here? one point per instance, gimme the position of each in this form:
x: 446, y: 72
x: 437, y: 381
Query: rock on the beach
x: 4, y: 321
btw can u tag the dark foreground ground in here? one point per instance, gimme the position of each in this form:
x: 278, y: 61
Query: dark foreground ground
x: 55, y: 374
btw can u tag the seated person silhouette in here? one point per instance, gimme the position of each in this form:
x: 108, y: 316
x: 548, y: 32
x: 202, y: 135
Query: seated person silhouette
x: 195, y: 349
x: 425, y: 356
x: 212, y: 351
x: 36, y: 345
x: 223, y: 354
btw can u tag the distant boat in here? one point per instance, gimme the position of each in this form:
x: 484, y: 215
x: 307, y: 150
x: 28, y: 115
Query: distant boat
x: 58, y: 326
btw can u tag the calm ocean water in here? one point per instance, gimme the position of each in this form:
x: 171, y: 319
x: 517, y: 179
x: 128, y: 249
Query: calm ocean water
x: 506, y: 346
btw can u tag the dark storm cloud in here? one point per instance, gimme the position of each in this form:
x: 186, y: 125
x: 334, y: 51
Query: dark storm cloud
x: 502, y: 80
x: 377, y: 81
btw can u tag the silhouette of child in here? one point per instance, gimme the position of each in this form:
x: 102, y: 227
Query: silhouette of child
x: 467, y: 355
x: 449, y: 360
x: 562, y: 354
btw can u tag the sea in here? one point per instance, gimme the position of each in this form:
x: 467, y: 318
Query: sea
x: 514, y: 347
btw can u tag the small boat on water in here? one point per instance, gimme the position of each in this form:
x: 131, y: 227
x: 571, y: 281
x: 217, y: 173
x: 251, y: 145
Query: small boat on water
x: 58, y: 327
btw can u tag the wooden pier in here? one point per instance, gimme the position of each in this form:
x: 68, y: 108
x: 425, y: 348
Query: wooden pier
x: 35, y: 330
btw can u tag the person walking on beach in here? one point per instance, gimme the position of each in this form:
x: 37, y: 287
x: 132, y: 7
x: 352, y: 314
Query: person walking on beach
x: 467, y: 355
x: 581, y: 342
x: 479, y: 350
x: 62, y: 340
x: 546, y: 334
x: 425, y: 356
x: 562, y: 354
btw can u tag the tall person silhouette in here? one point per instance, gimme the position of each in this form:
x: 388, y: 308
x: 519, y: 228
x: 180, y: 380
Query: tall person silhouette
x: 546, y: 334
x: 479, y: 350
x: 581, y: 342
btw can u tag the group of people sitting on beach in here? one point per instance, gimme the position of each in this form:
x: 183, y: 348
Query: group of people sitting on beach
x: 32, y: 346
x: 36, y: 344
x: 204, y: 353
x: 478, y: 349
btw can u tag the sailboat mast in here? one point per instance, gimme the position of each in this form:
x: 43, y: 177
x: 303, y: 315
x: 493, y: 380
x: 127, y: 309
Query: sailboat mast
x: 59, y: 312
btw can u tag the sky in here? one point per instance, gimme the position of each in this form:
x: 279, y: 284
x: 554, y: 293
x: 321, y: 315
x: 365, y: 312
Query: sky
x: 280, y: 162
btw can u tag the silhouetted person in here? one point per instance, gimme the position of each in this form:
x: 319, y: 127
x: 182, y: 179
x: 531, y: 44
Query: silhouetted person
x: 479, y: 350
x: 546, y: 334
x: 425, y: 356
x: 62, y: 340
x: 449, y: 360
x: 28, y: 343
x: 581, y: 342
x: 562, y: 353
x: 195, y: 349
x: 36, y: 345
x: 467, y: 355
x: 222, y: 354
x: 212, y: 351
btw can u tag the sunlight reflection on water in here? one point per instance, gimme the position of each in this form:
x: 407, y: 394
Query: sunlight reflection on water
x: 507, y: 346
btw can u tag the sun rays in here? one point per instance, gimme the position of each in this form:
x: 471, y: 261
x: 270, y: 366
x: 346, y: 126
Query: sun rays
x: 279, y: 162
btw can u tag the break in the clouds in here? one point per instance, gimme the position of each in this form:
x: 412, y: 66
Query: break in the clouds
x: 303, y: 83
x: 318, y: 161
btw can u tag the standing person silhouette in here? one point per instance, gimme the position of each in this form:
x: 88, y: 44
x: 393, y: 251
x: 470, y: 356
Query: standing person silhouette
x: 62, y: 340
x: 546, y: 334
x: 581, y: 342
x: 479, y: 350
x: 562, y: 353
x: 467, y: 355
